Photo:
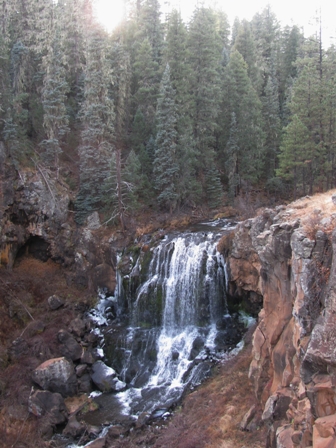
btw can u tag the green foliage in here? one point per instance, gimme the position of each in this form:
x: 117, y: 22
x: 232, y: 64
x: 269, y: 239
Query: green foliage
x: 165, y: 161
x: 258, y: 111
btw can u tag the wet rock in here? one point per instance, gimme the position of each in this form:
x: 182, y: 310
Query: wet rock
x: 69, y: 346
x: 89, y: 357
x: 175, y: 356
x: 103, y: 275
x: 197, y: 346
x: 80, y: 369
x: 115, y: 432
x: 43, y: 403
x: 98, y: 443
x: 55, y: 302
x: 73, y: 427
x: 84, y: 384
x: 56, y: 375
x: 105, y: 378
x: 142, y: 379
x: 142, y: 420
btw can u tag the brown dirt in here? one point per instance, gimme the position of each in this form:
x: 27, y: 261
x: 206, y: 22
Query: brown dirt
x: 25, y: 316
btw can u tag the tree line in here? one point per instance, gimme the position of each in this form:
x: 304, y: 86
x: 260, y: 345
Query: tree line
x: 163, y: 113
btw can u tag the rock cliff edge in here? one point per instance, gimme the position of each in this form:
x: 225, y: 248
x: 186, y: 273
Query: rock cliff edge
x: 288, y: 256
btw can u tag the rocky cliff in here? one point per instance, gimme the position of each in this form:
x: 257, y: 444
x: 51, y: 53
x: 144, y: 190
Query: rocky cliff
x: 287, y: 256
x: 36, y: 217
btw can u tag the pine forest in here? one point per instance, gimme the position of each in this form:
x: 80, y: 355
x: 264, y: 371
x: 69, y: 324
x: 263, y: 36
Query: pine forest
x: 162, y: 114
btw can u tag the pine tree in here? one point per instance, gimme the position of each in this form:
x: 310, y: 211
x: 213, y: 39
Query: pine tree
x: 165, y: 163
x: 146, y: 80
x: 241, y: 99
x: 55, y: 88
x: 177, y: 55
x: 293, y: 156
x: 245, y: 44
x: 205, y: 56
x: 151, y: 28
x: 97, y: 122
x: 271, y: 124
x: 291, y: 42
x: 232, y: 156
x: 308, y: 103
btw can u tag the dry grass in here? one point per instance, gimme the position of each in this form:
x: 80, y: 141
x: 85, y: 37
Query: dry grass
x: 316, y: 212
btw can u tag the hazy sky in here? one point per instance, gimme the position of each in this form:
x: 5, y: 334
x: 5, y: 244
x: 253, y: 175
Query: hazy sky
x: 300, y: 12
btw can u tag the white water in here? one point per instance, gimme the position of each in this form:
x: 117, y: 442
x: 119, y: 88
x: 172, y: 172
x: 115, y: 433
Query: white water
x: 189, y: 273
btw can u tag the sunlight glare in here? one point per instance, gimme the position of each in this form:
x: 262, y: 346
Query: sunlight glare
x: 109, y: 13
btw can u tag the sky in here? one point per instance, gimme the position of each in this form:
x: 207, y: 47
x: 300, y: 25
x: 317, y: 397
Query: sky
x: 299, y: 12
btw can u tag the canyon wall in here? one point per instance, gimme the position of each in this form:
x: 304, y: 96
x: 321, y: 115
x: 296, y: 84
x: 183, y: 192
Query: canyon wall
x: 288, y: 256
x: 37, y: 218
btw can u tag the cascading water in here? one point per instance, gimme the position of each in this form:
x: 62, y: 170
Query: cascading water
x: 178, y: 317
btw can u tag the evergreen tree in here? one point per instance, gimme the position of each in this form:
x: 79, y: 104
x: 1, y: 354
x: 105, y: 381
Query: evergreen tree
x: 165, y: 163
x: 242, y: 116
x: 146, y: 79
x: 308, y: 103
x: 151, y: 27
x: 245, y: 44
x: 291, y: 42
x: 177, y: 55
x: 271, y: 124
x: 232, y: 156
x: 97, y: 121
x: 293, y: 156
x: 54, y: 92
x: 205, y: 56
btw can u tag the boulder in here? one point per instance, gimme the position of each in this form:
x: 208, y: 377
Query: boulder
x: 84, y: 384
x: 69, y: 346
x: 248, y: 418
x: 78, y: 327
x: 55, y: 302
x: 284, y: 437
x: 105, y: 378
x: 43, y: 403
x: 56, y: 375
x: 89, y: 357
x: 81, y: 369
x: 74, y: 428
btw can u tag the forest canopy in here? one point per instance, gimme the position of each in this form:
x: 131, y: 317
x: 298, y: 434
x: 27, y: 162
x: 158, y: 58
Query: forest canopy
x: 162, y: 113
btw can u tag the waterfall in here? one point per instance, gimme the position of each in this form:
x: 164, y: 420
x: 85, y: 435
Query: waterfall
x: 178, y: 317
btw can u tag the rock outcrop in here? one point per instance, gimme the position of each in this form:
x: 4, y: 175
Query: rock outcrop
x: 289, y: 258
x: 37, y: 218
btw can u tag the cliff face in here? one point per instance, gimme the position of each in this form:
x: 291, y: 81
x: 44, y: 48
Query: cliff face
x: 36, y: 217
x: 288, y: 256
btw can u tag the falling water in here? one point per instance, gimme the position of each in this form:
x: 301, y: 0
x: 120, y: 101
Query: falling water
x: 174, y: 317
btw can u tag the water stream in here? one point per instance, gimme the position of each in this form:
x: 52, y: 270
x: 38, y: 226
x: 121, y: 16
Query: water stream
x: 178, y: 324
